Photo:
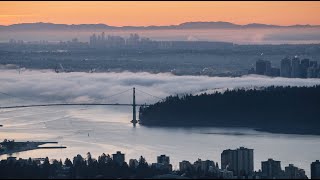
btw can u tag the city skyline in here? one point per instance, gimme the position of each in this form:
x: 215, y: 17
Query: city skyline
x: 236, y: 163
x: 159, y: 13
x: 159, y: 89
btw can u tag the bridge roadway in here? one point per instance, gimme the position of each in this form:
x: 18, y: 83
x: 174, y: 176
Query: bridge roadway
x: 71, y: 104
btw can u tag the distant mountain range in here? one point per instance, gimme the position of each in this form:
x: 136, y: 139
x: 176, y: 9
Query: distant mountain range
x: 187, y: 25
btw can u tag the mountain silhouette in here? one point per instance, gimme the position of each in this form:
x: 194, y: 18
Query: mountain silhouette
x: 182, y: 26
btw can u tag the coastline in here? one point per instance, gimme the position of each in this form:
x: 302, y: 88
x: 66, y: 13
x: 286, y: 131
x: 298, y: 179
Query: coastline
x: 292, y: 131
x: 28, y: 146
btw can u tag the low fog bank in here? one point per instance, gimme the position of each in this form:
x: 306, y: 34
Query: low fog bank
x: 33, y: 86
x: 238, y: 36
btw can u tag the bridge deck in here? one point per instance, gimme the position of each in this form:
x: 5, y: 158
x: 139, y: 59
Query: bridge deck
x: 72, y: 104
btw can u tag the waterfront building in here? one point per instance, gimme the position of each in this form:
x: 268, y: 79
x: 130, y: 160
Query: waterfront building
x: 315, y: 170
x: 292, y: 172
x: 271, y: 169
x: 118, y: 158
x: 285, y: 68
x: 295, y: 68
x: 240, y: 161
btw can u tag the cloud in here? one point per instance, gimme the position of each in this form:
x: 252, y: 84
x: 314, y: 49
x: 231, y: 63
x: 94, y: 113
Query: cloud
x: 31, y: 87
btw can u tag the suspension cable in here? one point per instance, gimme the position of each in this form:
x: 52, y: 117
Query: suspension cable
x: 30, y: 99
x: 117, y: 93
x: 150, y: 94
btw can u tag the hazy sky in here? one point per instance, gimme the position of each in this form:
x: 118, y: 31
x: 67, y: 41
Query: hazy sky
x: 159, y: 13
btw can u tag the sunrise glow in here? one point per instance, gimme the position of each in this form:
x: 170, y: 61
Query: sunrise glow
x: 159, y: 13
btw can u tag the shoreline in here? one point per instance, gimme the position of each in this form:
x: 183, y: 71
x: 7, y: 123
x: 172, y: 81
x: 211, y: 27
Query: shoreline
x: 28, y: 146
x: 273, y: 131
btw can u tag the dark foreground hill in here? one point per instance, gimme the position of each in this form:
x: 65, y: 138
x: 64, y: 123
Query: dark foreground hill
x: 293, y: 110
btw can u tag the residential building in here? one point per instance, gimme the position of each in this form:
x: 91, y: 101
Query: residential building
x: 240, y: 161
x: 271, y: 169
x: 205, y: 165
x: 163, y: 159
x: 292, y: 172
x: 285, y: 68
x: 261, y: 67
x: 163, y: 163
x: 229, y: 160
x: 305, y: 63
x: 315, y: 170
x: 185, y: 166
x: 295, y: 68
x: 118, y: 158
x: 268, y: 68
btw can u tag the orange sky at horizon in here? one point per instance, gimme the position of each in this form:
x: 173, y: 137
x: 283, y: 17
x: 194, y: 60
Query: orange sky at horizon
x: 144, y: 13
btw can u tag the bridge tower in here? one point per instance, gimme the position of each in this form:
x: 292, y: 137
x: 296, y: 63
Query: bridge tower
x: 134, y: 119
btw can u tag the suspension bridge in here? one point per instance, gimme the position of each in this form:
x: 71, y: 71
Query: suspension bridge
x: 134, y: 105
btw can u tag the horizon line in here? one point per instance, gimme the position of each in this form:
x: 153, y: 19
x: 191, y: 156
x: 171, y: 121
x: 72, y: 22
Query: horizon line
x: 160, y: 25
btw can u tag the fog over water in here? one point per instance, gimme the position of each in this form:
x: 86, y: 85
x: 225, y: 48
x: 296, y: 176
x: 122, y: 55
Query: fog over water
x: 50, y: 87
x: 106, y: 129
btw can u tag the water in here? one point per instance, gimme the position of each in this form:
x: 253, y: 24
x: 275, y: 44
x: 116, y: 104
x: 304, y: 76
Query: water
x: 107, y: 129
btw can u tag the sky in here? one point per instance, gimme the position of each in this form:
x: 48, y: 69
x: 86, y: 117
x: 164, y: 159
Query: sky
x: 144, y: 13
